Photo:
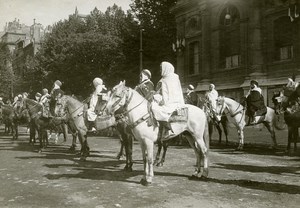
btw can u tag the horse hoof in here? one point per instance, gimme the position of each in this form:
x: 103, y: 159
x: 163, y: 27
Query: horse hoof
x: 205, y: 173
x: 128, y: 169
x: 145, y: 182
x: 72, y: 149
x: 83, y: 159
x: 159, y: 164
x: 194, y: 177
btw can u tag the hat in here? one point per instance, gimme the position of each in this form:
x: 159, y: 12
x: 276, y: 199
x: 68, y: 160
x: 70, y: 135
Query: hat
x: 191, y: 87
x: 254, y: 82
x: 97, y: 81
x: 38, y: 94
x: 147, y: 73
x: 45, y: 91
x: 25, y: 94
x: 58, y: 83
x: 1, y: 98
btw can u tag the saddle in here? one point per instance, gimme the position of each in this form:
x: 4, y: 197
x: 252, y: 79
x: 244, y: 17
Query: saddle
x: 179, y: 115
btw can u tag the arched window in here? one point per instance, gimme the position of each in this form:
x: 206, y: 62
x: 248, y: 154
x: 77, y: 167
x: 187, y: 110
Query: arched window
x: 229, y: 39
x: 285, y: 36
x: 194, y: 58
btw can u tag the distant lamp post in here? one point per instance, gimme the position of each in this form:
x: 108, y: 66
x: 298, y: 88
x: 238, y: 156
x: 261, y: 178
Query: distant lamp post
x: 179, y: 45
x: 141, y: 49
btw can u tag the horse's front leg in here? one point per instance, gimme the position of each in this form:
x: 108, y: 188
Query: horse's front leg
x: 241, y: 139
x: 128, y: 142
x: 270, y: 128
x: 165, y: 145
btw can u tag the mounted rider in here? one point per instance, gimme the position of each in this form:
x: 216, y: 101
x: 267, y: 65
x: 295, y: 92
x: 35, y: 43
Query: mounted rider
x: 169, y: 95
x: 255, y: 102
x: 211, y: 97
x: 45, y: 102
x: 191, y: 96
x: 91, y: 113
x: 145, y: 86
x: 38, y: 97
x: 56, y: 93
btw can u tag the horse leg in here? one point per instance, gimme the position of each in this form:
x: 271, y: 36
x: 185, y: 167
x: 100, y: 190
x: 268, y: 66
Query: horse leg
x: 149, y: 173
x: 128, y: 143
x: 220, y: 132
x: 31, y: 134
x: 159, y: 147
x: 241, y: 139
x: 121, y: 152
x: 192, y: 143
x: 144, y: 178
x: 165, y: 145
x: 65, y: 131
x: 270, y: 128
x: 210, y: 129
x: 224, y: 125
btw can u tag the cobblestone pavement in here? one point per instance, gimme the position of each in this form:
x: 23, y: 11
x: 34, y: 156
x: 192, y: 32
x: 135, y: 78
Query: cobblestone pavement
x: 255, y: 177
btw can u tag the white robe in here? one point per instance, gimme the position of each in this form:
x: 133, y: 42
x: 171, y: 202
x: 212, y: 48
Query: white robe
x: 91, y: 115
x: 171, y: 94
x: 212, y: 97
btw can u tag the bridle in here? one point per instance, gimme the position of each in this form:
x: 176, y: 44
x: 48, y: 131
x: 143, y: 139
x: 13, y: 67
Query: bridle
x: 127, y: 98
x: 232, y: 114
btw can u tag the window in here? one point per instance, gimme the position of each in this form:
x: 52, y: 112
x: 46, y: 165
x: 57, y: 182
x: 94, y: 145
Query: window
x: 229, y: 39
x: 285, y: 37
x: 194, y: 58
x: 232, y: 61
x: 286, y: 52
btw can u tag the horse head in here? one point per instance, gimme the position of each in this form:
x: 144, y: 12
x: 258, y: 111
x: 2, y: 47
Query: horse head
x: 117, y: 98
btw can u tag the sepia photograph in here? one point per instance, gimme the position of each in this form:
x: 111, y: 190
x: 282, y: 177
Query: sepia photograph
x: 149, y: 103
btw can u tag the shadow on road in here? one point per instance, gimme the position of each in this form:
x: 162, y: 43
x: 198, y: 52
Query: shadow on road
x: 264, y: 186
x: 261, y: 169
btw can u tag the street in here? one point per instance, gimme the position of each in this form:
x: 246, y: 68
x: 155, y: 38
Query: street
x: 256, y: 177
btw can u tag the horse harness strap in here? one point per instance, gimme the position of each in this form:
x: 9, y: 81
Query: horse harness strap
x: 233, y: 115
x: 140, y: 120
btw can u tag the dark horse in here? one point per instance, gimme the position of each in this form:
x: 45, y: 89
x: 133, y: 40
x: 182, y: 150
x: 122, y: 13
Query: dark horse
x: 290, y: 107
x: 42, y: 124
x: 13, y: 117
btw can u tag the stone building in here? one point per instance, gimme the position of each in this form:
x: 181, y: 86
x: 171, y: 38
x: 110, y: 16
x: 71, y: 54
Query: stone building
x: 230, y: 42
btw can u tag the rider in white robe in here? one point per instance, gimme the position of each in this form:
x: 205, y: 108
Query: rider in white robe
x: 170, y: 96
x: 99, y: 86
x: 212, y: 96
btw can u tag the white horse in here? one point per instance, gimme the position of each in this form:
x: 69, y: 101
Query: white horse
x: 136, y: 109
x: 237, y: 112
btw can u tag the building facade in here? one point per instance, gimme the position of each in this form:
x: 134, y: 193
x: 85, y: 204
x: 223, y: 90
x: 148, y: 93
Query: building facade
x: 230, y: 42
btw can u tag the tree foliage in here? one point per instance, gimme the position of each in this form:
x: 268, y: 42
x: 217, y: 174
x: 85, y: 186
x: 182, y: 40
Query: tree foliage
x: 79, y: 50
x: 6, y: 72
x: 159, y: 33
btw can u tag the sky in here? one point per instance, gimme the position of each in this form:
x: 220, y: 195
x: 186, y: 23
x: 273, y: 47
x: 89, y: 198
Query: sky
x: 48, y: 12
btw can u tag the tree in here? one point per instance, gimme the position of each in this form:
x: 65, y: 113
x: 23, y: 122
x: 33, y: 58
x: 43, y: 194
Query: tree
x: 77, y: 51
x: 159, y: 31
x: 6, y: 72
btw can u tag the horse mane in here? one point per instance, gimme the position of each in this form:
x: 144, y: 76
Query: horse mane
x: 73, y: 100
